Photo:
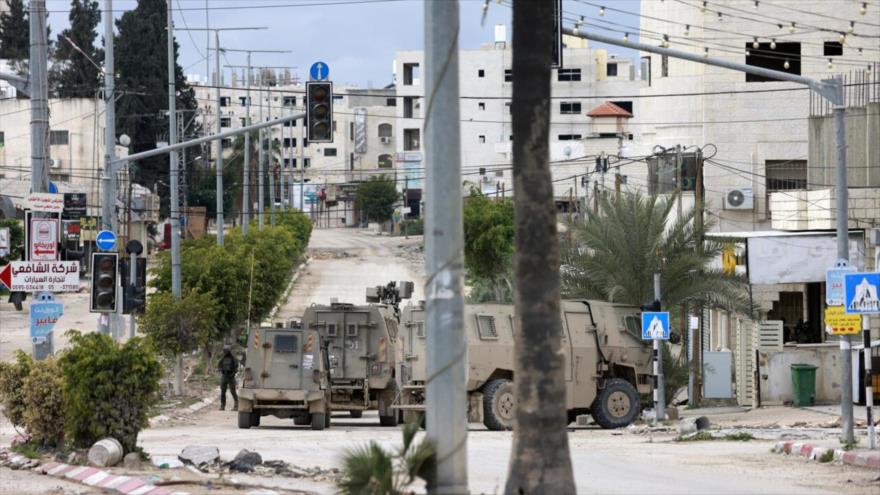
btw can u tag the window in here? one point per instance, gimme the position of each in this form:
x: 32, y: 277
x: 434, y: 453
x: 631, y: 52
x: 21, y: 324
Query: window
x: 243, y: 100
x: 633, y: 326
x: 307, y: 162
x: 225, y: 121
x: 785, y: 175
x: 611, y: 70
x: 290, y: 101
x: 285, y: 343
x: 226, y: 143
x: 572, y: 75
x: 486, y: 327
x: 385, y: 130
x: 409, y: 104
x: 385, y: 161
x: 351, y: 330
x: 2, y: 139
x: 410, y: 74
x: 646, y: 69
x: 411, y: 140
x: 568, y: 137
x: 482, y: 139
x: 626, y: 105
x: 331, y: 329
x: 290, y: 162
x: 481, y: 73
x: 59, y: 137
x: 225, y: 101
x: 664, y: 66
x: 481, y: 105
x: 242, y: 121
x: 833, y: 49
x: 508, y: 75
x: 290, y: 123
x: 420, y: 329
x: 329, y: 151
x: 351, y: 131
x: 570, y: 107
x: 774, y: 59
x: 289, y: 142
x: 499, y: 173
x: 391, y: 102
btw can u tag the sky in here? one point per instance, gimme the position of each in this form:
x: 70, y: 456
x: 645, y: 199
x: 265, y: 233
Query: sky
x: 357, y: 39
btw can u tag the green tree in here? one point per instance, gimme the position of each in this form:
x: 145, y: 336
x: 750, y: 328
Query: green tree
x: 376, y: 197
x: 77, y: 76
x: 488, y: 246
x: 142, y: 80
x: 176, y: 326
x: 616, y: 252
x: 14, y: 31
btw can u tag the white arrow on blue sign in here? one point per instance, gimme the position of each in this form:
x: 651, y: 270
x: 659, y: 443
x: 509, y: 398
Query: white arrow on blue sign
x: 106, y: 240
x: 655, y: 325
x: 319, y: 71
x: 862, y: 293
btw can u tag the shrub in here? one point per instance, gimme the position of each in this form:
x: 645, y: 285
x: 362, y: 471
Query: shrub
x: 412, y: 226
x: 109, y: 388
x: 179, y: 326
x: 11, y: 377
x: 42, y: 391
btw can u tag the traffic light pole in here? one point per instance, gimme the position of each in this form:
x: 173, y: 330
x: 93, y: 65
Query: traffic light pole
x: 831, y: 90
x: 659, y: 385
x: 132, y: 282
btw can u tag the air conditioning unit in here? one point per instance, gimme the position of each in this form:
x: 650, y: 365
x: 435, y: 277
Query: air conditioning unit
x: 739, y: 198
x: 385, y: 140
x: 55, y: 163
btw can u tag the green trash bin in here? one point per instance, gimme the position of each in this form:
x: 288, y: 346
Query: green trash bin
x: 803, y: 384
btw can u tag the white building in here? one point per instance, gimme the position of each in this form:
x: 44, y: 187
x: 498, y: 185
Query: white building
x: 589, y: 78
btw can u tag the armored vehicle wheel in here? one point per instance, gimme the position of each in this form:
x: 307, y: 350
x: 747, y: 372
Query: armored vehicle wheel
x: 327, y: 419
x: 499, y: 404
x: 244, y: 420
x: 390, y: 420
x: 319, y: 421
x: 302, y: 420
x: 255, y: 418
x: 356, y: 413
x: 617, y: 404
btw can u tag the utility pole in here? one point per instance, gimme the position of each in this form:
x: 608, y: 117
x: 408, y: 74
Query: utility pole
x: 696, y: 367
x: 262, y: 163
x: 679, y: 174
x: 302, y: 165
x: 271, y: 158
x: 831, y: 90
x: 659, y: 386
x: 446, y: 406
x: 174, y: 186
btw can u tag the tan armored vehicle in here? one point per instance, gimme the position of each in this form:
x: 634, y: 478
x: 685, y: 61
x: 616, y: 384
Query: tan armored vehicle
x: 285, y: 375
x: 607, y: 366
x: 363, y: 350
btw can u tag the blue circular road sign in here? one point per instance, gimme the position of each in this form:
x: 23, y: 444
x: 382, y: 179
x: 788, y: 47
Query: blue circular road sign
x: 319, y: 71
x: 106, y: 240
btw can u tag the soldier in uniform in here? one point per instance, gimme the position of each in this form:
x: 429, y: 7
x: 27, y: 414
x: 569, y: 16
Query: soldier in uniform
x: 228, y: 366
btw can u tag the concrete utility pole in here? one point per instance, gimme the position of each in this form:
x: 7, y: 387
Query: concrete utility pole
x: 831, y: 90
x: 271, y: 158
x: 174, y: 186
x: 261, y: 156
x: 659, y: 385
x: 39, y: 97
x: 444, y: 237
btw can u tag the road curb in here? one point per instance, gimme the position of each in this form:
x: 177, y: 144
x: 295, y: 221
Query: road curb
x: 814, y: 453
x: 90, y: 476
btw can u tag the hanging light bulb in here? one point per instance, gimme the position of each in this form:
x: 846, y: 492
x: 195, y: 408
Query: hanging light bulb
x: 773, y: 44
x: 792, y: 28
x: 830, y: 64
x: 601, y: 11
x: 786, y: 65
x: 720, y: 17
x: 706, y: 52
x: 862, y: 11
x: 779, y: 26
x: 852, y: 27
x: 703, y: 8
x: 687, y: 29
x: 756, y: 4
x: 577, y: 24
x: 842, y: 38
x: 755, y: 43
x: 665, y: 43
x: 625, y: 36
x: 869, y: 69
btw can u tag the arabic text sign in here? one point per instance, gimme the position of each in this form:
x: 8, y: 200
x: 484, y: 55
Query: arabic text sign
x: 39, y: 276
x: 53, y: 203
x: 44, y: 315
x: 44, y: 239
x: 838, y: 322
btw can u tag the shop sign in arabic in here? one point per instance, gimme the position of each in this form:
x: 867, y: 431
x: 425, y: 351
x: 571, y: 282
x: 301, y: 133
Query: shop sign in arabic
x: 36, y: 276
x: 44, y: 315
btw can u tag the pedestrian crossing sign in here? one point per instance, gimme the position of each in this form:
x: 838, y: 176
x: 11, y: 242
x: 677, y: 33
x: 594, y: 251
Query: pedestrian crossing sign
x: 655, y: 325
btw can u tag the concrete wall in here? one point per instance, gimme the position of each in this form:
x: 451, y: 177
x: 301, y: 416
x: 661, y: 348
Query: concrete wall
x: 776, y: 385
x: 862, y: 147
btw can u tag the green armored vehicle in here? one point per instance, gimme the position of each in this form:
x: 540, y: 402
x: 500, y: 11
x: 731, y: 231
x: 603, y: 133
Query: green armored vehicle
x: 607, y: 366
x: 363, y: 350
x: 286, y: 376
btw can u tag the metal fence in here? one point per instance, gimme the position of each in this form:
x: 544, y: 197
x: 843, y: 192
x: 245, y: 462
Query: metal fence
x: 860, y: 87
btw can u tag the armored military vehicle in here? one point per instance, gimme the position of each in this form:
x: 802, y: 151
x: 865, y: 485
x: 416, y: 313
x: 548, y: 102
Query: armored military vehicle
x: 363, y: 350
x: 286, y: 376
x: 607, y: 366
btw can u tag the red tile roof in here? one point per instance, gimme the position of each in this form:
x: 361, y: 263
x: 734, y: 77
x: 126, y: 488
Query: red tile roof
x: 608, y: 109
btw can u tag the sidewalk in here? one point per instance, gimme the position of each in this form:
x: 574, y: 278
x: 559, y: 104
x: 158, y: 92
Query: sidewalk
x: 824, y: 453
x: 777, y: 416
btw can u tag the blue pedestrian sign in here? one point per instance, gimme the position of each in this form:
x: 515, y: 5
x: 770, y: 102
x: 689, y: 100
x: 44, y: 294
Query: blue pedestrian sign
x: 106, y: 240
x: 862, y: 293
x: 655, y: 325
x: 834, y: 293
x: 319, y: 71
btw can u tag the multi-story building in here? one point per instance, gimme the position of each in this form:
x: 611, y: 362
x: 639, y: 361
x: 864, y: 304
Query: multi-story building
x: 586, y: 84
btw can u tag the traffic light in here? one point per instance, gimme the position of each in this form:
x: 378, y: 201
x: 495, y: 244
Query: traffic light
x: 134, y: 298
x: 319, y: 111
x: 652, y: 307
x: 104, y: 272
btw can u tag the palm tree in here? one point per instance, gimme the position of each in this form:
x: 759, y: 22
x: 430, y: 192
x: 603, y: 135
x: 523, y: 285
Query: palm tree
x: 614, y: 255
